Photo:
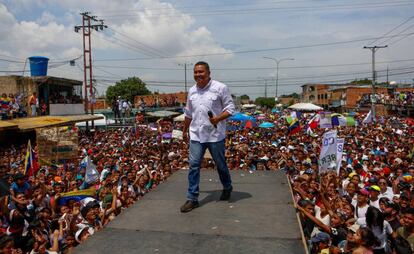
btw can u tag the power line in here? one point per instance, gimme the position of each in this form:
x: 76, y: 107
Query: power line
x: 259, y: 50
x: 234, y: 83
x: 389, y: 39
x: 257, y: 68
x: 198, y: 6
x: 156, y: 51
x: 392, y: 30
x: 249, y: 11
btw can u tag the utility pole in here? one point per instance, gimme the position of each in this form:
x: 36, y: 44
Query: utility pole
x: 88, y: 24
x: 387, y: 77
x: 373, y: 50
x: 265, y: 81
x: 277, y: 61
x: 185, y: 77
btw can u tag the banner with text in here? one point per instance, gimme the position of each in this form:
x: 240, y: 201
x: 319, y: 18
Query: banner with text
x: 325, y: 119
x: 339, y: 149
x: 327, y: 158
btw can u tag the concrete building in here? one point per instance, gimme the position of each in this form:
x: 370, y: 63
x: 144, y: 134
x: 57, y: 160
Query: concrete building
x: 62, y: 96
x: 318, y: 94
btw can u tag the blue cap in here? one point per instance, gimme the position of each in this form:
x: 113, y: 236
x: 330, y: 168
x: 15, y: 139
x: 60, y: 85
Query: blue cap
x: 309, y: 171
x: 321, y: 237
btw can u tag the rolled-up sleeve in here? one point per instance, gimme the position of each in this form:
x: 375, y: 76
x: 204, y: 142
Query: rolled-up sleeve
x: 188, y: 110
x: 227, y: 101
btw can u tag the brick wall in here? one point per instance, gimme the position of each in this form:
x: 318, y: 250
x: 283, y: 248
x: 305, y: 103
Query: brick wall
x: 162, y: 99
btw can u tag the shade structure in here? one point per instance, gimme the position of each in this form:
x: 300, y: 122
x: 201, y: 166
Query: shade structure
x: 248, y: 106
x: 241, y: 117
x: 305, y: 107
x: 266, y: 125
x: 162, y: 113
x: 179, y: 118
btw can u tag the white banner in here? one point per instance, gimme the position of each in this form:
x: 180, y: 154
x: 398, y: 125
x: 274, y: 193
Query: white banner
x: 177, y: 134
x: 325, y: 120
x: 339, y: 149
x: 327, y: 158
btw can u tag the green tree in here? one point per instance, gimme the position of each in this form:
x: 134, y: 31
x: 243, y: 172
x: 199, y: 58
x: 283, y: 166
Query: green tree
x: 268, y: 102
x: 127, y: 89
x: 244, y: 97
x: 362, y: 82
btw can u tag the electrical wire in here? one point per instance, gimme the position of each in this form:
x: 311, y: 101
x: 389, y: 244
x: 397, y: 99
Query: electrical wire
x: 249, y: 11
x: 153, y: 50
x: 392, y: 30
x: 258, y: 68
x: 259, y: 50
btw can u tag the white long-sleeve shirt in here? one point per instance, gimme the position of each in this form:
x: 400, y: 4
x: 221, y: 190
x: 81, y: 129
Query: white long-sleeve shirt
x: 215, y: 97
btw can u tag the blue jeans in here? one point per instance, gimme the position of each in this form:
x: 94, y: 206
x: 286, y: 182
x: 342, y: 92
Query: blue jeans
x: 197, y: 151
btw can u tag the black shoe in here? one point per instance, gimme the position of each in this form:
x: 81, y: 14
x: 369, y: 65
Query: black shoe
x: 188, y: 206
x: 225, y: 195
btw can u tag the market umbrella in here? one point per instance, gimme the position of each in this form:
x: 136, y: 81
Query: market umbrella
x: 266, y: 125
x: 240, y: 117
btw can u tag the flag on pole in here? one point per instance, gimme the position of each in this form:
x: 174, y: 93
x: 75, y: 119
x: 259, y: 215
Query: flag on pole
x: 368, y: 118
x: 294, y: 127
x: 91, y: 174
x: 314, y: 122
x: 30, y: 162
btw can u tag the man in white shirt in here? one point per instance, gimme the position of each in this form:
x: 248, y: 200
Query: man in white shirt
x: 209, y: 103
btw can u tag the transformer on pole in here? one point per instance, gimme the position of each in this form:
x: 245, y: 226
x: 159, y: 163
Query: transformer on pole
x: 88, y: 24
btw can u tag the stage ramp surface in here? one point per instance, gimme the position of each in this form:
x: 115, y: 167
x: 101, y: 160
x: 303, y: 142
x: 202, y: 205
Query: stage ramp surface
x: 259, y: 218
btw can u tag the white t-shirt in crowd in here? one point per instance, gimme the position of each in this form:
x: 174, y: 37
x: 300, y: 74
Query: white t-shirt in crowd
x: 325, y: 220
x: 388, y: 194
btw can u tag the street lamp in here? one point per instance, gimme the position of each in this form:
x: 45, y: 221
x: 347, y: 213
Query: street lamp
x: 277, y: 69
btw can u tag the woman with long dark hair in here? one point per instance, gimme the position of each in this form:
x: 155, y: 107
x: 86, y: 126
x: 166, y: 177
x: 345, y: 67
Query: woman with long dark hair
x: 380, y: 228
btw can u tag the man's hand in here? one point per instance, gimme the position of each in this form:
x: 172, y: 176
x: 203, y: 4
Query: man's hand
x: 214, y: 120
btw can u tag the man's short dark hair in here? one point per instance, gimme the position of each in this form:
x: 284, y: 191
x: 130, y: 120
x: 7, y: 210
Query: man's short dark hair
x: 205, y: 64
x: 409, y: 211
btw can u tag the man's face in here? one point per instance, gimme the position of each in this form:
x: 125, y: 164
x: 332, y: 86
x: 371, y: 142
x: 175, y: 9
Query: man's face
x: 362, y: 199
x: 310, y: 209
x: 201, y: 75
x: 408, y: 220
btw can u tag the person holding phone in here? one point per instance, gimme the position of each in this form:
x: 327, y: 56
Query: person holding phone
x: 209, y: 103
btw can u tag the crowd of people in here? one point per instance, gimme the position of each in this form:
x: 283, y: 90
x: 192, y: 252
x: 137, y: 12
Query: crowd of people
x: 13, y: 106
x: 367, y: 208
x: 396, y: 99
x: 60, y: 98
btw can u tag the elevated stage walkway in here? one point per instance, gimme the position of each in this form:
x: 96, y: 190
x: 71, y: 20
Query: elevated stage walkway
x: 259, y: 218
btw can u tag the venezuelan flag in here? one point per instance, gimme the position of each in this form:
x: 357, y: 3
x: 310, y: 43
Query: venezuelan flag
x: 294, y: 128
x: 30, y: 165
x: 76, y: 195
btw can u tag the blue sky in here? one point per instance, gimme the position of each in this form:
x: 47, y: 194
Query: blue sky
x: 196, y: 29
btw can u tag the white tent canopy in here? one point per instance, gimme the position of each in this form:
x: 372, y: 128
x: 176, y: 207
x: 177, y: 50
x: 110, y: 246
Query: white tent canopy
x: 248, y: 106
x: 162, y: 113
x: 101, y: 122
x: 305, y: 107
x: 180, y: 118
